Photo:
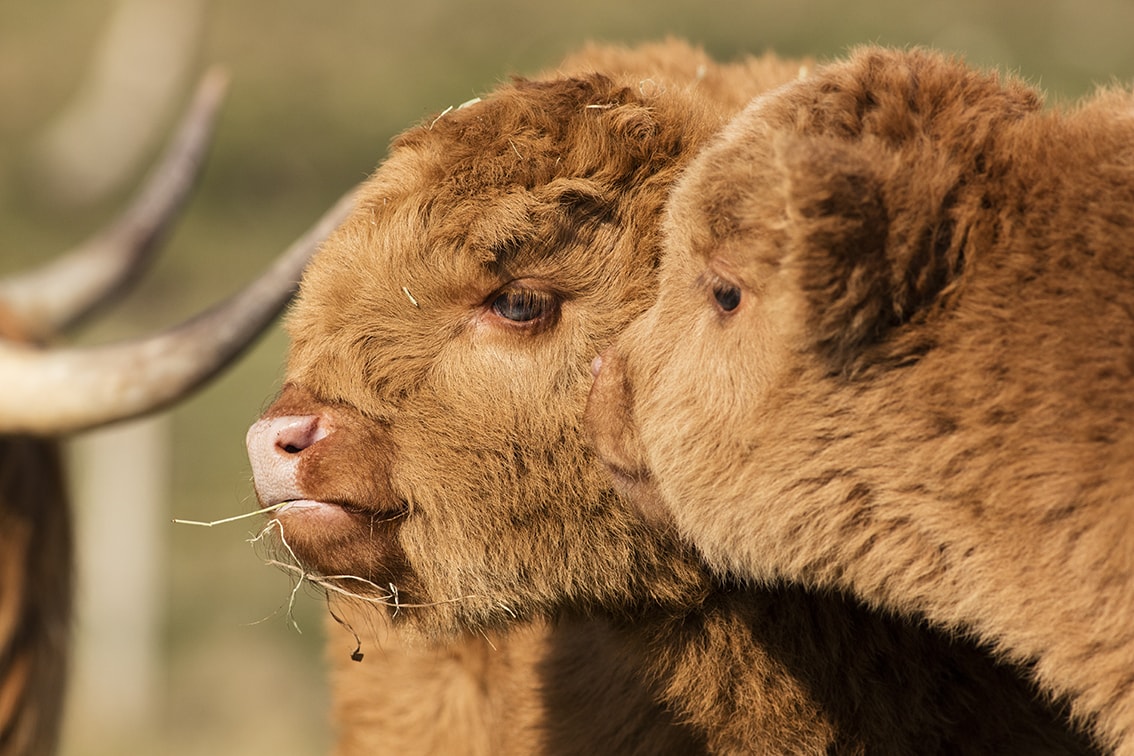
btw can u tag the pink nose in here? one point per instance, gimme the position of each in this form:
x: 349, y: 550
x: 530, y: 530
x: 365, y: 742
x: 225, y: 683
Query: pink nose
x: 275, y: 448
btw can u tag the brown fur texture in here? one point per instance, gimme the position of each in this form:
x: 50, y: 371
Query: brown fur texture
x: 35, y: 587
x: 430, y: 439
x: 893, y: 354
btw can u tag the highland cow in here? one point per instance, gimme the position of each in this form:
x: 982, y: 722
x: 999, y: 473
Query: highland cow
x: 893, y: 355
x: 427, y: 456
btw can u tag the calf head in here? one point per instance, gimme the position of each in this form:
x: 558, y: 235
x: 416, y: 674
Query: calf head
x: 821, y: 235
x: 427, y: 444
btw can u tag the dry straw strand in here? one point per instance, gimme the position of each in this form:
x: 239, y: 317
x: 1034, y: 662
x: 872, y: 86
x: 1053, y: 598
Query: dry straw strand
x: 234, y: 518
x: 439, y: 117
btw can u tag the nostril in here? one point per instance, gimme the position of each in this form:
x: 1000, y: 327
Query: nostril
x: 294, y: 434
x: 276, y: 447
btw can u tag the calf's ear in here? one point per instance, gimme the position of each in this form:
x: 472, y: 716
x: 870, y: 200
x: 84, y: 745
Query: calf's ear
x: 870, y: 246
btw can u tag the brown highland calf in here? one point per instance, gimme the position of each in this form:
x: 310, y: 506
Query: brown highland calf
x: 480, y: 693
x: 427, y: 455
x: 45, y: 393
x: 893, y: 354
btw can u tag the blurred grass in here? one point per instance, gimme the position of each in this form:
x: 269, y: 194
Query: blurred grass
x: 317, y: 91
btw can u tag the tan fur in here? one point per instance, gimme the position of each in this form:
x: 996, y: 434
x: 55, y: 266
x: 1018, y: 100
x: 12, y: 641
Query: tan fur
x: 926, y: 394
x: 404, y: 698
x: 457, y: 472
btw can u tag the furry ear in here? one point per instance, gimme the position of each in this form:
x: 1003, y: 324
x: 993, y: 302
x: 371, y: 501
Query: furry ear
x: 870, y: 243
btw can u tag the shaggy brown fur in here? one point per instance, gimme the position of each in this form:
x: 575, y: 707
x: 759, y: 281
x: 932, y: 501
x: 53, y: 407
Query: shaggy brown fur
x: 894, y: 355
x: 35, y: 588
x: 429, y: 436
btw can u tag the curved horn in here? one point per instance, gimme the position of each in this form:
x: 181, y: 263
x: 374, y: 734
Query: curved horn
x: 62, y: 292
x: 62, y: 390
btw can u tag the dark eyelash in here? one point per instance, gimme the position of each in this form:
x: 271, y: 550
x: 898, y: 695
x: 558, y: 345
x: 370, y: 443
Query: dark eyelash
x: 522, y: 305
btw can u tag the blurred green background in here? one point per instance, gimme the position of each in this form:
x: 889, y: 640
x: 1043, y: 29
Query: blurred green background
x: 317, y: 91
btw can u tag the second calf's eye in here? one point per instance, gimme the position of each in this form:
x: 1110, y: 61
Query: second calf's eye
x: 727, y: 296
x: 524, y: 305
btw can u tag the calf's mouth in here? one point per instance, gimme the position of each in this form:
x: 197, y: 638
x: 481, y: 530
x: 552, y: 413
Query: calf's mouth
x: 324, y: 472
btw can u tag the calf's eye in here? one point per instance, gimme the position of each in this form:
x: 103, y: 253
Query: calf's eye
x: 727, y: 296
x: 524, y: 306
